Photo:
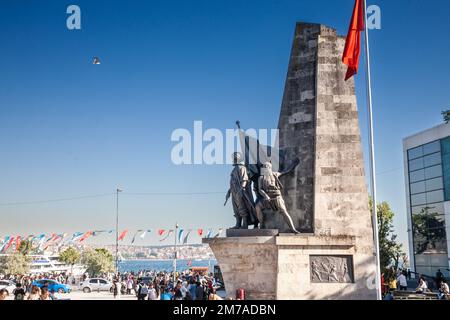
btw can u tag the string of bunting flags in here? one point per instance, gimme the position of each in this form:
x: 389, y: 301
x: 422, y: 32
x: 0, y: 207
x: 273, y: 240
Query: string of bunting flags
x: 43, y: 241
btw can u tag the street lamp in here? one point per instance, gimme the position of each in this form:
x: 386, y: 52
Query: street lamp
x: 117, y: 229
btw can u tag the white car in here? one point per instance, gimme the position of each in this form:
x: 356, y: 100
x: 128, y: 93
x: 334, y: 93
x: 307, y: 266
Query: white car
x: 8, y: 285
x: 96, y: 284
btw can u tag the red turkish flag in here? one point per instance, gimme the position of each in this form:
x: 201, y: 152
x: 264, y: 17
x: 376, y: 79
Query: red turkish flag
x: 353, y: 42
x: 123, y: 234
x: 160, y: 232
x: 200, y: 232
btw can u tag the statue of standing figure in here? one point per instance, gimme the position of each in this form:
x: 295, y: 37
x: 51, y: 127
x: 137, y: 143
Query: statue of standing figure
x: 241, y: 194
x: 269, y: 188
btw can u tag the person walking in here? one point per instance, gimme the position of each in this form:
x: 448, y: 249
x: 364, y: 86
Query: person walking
x: 117, y: 289
x: 130, y: 284
x: 142, y: 291
x: 152, y: 294
x: 438, y: 279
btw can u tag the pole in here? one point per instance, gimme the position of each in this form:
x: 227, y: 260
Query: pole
x: 372, y: 157
x: 117, y: 230
x: 175, y: 256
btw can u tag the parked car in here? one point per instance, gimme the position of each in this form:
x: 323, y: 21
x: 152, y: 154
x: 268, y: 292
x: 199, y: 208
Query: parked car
x: 52, y: 285
x: 96, y: 284
x: 146, y: 280
x: 8, y: 285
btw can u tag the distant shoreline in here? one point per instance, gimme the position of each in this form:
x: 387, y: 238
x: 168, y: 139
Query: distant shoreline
x: 147, y: 259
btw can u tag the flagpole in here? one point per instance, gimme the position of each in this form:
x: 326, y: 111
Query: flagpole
x: 117, y: 230
x: 372, y: 156
x: 175, y: 256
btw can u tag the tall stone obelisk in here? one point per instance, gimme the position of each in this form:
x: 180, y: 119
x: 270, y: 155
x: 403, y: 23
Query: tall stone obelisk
x: 326, y: 195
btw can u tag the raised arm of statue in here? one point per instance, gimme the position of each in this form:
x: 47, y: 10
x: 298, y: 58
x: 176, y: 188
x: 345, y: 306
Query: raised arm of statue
x: 290, y: 168
x: 227, y: 197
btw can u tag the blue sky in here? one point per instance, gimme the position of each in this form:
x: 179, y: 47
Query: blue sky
x: 69, y: 128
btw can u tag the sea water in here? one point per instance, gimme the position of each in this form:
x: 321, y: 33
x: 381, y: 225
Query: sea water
x: 163, y: 265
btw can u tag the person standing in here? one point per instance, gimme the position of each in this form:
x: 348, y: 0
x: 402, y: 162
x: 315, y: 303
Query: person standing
x: 192, y: 290
x: 403, y: 283
x: 19, y: 292
x: 199, y: 292
x: 152, y: 295
x: 45, y: 294
x: 34, y: 294
x: 130, y: 284
x: 3, y: 294
x: 438, y: 279
x: 117, y: 289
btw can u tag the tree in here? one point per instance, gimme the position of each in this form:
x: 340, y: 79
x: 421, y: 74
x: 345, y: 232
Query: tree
x: 70, y: 256
x: 390, y: 250
x: 26, y: 247
x: 98, y: 261
x: 16, y: 263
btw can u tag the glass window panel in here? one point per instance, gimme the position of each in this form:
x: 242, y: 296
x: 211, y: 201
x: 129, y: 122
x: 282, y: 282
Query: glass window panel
x: 432, y: 159
x: 435, y: 208
x: 436, y: 221
x: 446, y: 171
x: 415, y: 153
x: 417, y: 175
x: 420, y: 246
x: 424, y: 270
x: 418, y: 199
x: 417, y: 187
x: 445, y: 145
x: 434, y: 184
x: 416, y: 164
x: 417, y: 209
x: 435, y: 196
x: 422, y: 260
x: 433, y: 172
x: 432, y: 147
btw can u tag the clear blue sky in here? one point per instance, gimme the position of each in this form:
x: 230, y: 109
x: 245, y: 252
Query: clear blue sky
x: 69, y: 128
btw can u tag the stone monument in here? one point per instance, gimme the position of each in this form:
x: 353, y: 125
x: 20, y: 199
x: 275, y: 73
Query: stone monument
x: 326, y: 195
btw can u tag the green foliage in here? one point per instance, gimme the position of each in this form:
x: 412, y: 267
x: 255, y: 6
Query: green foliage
x: 390, y: 250
x: 16, y: 263
x: 446, y: 115
x: 26, y: 247
x: 98, y: 261
x: 70, y: 256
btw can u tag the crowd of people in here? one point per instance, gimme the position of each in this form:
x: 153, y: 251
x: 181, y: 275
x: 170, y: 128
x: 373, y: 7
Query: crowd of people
x: 26, y: 290
x: 397, y: 280
x: 144, y: 285
x: 153, y: 285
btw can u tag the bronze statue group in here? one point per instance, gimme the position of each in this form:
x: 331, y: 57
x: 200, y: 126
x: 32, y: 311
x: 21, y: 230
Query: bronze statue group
x: 267, y: 188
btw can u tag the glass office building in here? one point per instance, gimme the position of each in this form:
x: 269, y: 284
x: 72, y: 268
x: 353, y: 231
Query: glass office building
x: 427, y: 177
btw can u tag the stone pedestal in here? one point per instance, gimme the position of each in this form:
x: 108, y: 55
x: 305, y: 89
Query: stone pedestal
x: 294, y: 267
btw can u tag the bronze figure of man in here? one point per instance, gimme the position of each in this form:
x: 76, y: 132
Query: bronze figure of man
x: 269, y: 188
x: 241, y: 194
